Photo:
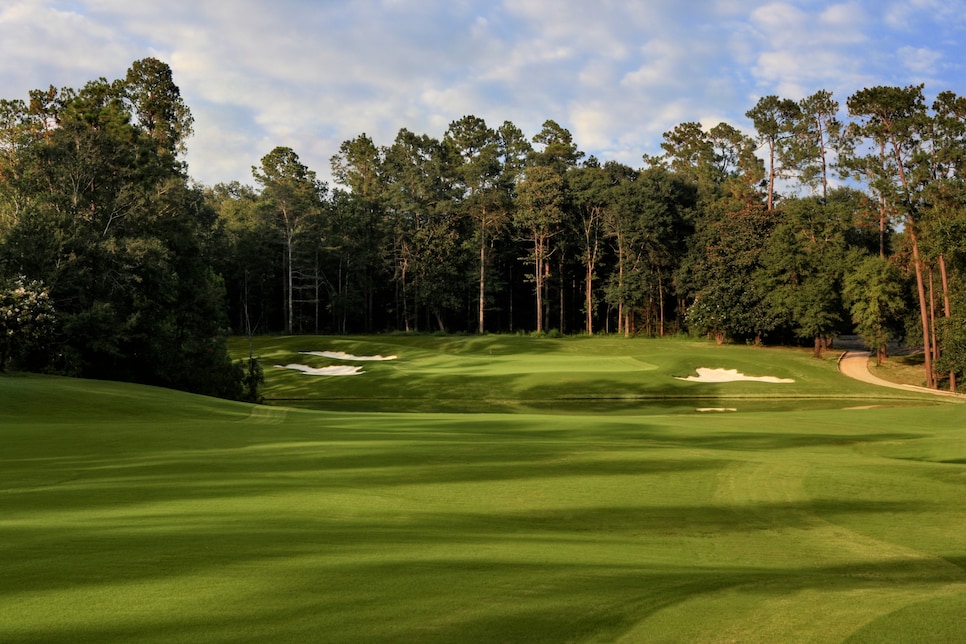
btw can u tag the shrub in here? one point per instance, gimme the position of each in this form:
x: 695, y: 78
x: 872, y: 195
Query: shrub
x: 27, y: 317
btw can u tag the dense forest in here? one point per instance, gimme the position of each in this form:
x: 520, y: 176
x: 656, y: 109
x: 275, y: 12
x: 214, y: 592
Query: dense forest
x: 114, y: 264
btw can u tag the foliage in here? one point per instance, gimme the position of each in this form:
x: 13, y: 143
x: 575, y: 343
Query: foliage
x: 952, y: 338
x: 541, y: 196
x: 775, y: 120
x: 291, y: 203
x: 483, y: 182
x: 725, y: 250
x: 818, y: 134
x: 804, y: 262
x: 253, y: 379
x: 874, y: 291
x: 649, y: 217
x: 98, y: 208
x: 27, y: 317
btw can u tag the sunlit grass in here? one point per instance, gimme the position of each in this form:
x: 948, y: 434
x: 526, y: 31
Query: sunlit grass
x: 574, y: 374
x: 132, y: 514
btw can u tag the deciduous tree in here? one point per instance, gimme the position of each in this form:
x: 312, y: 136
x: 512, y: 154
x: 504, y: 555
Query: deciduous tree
x: 483, y: 198
x: 892, y: 121
x: 292, y: 196
x: 873, y: 290
x: 539, y: 213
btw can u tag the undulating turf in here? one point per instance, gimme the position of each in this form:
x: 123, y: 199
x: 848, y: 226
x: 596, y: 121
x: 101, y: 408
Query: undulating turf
x: 136, y: 514
x: 569, y: 375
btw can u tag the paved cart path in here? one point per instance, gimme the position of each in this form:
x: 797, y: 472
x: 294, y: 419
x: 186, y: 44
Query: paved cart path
x: 855, y: 364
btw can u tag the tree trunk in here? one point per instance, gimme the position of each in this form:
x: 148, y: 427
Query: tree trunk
x: 318, y: 290
x: 882, y: 227
x: 771, y: 176
x: 947, y: 308
x: 538, y: 276
x: 290, y: 294
x: 589, y: 296
x: 560, y: 276
x: 405, y: 298
x: 823, y: 153
x: 660, y: 295
x: 917, y: 262
x: 932, y: 318
x: 882, y: 200
x: 923, y: 303
x: 482, y: 280
x: 621, y: 322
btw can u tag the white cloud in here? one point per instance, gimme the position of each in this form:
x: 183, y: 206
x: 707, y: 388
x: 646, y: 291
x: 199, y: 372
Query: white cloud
x: 920, y: 59
x: 663, y: 63
x: 907, y: 14
x: 781, y: 22
x: 843, y: 22
x: 311, y: 74
x: 43, y: 45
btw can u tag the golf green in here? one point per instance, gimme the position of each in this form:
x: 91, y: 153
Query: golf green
x: 578, y: 495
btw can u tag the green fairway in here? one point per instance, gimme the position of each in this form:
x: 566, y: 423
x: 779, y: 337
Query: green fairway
x: 570, y: 375
x: 382, y: 511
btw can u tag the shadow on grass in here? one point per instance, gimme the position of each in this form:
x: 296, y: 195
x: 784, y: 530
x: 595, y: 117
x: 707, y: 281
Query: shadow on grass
x: 142, y: 545
x: 415, y: 528
x: 425, y: 576
x: 389, y: 387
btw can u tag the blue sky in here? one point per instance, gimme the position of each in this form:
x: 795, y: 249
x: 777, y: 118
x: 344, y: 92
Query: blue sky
x: 310, y: 74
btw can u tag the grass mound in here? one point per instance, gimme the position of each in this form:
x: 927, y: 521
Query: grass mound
x: 133, y: 514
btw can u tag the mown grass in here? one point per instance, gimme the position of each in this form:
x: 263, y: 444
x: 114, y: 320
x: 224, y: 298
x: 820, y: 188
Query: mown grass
x: 132, y: 514
x: 518, y: 373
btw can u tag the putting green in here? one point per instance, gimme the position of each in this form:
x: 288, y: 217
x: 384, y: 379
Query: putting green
x: 133, y: 514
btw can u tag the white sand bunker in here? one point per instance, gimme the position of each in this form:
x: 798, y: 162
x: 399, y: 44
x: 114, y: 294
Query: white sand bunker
x: 334, y: 370
x: 337, y: 370
x: 339, y: 355
x: 731, y: 375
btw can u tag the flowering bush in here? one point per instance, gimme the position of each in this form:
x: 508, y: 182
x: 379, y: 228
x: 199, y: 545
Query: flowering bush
x: 26, y: 317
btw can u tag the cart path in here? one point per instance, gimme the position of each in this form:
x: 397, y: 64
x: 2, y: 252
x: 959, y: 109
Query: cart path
x: 855, y: 364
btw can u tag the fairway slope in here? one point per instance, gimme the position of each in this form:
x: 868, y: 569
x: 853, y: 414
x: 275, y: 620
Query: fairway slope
x: 136, y: 514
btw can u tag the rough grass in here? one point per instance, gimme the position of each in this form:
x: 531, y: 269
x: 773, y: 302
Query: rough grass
x: 904, y: 369
x: 132, y: 514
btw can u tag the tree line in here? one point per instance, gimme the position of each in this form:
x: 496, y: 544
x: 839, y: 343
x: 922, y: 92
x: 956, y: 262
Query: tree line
x: 812, y: 225
x: 100, y: 225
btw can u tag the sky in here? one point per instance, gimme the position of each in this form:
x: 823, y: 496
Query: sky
x: 310, y: 74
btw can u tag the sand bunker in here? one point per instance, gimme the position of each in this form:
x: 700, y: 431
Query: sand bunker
x: 731, y: 375
x: 337, y: 370
x: 339, y: 355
